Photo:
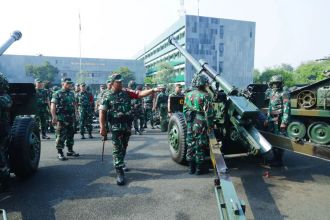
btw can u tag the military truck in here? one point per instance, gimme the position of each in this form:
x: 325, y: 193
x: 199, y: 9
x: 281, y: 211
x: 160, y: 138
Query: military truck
x: 20, y: 135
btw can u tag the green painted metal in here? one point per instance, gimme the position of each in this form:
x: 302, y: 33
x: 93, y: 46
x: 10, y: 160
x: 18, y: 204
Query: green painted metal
x: 174, y: 138
x: 319, y: 132
x: 323, y: 97
x: 310, y: 113
x: 296, y: 129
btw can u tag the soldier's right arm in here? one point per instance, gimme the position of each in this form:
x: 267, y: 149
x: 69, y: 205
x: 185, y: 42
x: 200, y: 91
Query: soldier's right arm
x: 104, y: 106
x: 53, y: 108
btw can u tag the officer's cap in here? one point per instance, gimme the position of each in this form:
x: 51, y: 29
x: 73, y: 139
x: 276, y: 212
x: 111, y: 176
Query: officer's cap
x: 67, y: 80
x: 115, y: 77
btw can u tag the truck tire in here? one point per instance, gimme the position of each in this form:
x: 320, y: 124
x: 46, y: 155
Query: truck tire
x: 24, y: 147
x: 177, y: 130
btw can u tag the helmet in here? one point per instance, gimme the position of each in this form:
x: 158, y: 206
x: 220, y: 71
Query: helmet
x: 275, y: 79
x: 201, y: 80
x: 4, y: 85
x: 132, y: 84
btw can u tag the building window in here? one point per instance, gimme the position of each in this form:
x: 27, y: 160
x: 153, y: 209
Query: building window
x: 221, y: 31
x: 221, y: 49
x: 220, y: 66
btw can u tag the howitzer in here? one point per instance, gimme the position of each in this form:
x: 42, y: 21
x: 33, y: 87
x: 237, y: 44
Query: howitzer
x: 16, y: 35
x: 239, y: 113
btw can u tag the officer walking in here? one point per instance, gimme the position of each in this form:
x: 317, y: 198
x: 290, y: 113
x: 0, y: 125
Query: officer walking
x: 199, y: 114
x: 84, y: 109
x: 43, y: 106
x: 278, y: 114
x: 63, y: 110
x: 161, y: 105
x: 118, y: 102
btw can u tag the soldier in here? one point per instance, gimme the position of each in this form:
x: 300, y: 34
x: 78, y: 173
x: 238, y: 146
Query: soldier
x: 76, y: 92
x: 118, y: 102
x: 84, y: 109
x: 199, y: 114
x: 278, y: 114
x: 148, y: 105
x: 5, y: 104
x: 63, y: 109
x: 137, y: 109
x: 43, y: 106
x: 161, y: 105
x: 178, y: 93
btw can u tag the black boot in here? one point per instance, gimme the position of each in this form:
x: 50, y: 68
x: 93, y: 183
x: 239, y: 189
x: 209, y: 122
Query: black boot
x: 60, y: 155
x: 44, y: 136
x: 120, y: 176
x: 82, y: 136
x: 192, y: 167
x: 90, y: 135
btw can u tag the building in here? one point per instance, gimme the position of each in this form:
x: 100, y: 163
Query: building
x: 227, y: 45
x: 94, y: 71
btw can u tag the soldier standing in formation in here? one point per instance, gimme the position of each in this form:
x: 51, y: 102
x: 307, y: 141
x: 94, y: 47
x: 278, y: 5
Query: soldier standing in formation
x: 84, y: 108
x: 43, y: 106
x: 118, y: 102
x: 63, y: 110
x: 177, y: 93
x: 5, y: 104
x: 148, y: 105
x: 161, y: 105
x: 137, y: 109
x: 278, y: 114
x: 199, y: 114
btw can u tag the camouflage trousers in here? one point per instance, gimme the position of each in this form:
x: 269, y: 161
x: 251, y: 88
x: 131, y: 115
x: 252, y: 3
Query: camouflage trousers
x: 85, y: 120
x: 163, y: 119
x: 138, y: 120
x: 64, y: 135
x: 42, y: 120
x: 148, y: 116
x: 197, y: 142
x: 120, y: 143
x: 274, y: 127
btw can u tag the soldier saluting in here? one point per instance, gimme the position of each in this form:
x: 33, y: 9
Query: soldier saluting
x: 118, y: 101
x: 63, y: 109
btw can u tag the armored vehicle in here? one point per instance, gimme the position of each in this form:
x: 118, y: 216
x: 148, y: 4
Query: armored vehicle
x: 19, y: 136
x: 310, y: 113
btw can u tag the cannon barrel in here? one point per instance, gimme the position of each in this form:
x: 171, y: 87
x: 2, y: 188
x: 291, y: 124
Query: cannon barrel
x: 203, y: 67
x: 16, y: 35
x: 240, y: 110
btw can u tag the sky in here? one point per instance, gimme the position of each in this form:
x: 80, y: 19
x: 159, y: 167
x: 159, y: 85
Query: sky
x: 287, y: 31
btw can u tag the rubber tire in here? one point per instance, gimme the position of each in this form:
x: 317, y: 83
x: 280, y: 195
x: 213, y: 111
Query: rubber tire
x: 177, y: 119
x: 20, y: 154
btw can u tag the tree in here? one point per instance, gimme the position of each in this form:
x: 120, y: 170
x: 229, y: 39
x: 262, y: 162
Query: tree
x: 311, y: 71
x: 149, y: 80
x: 126, y: 73
x: 256, y: 75
x: 45, y: 72
x: 165, y: 73
x: 288, y: 76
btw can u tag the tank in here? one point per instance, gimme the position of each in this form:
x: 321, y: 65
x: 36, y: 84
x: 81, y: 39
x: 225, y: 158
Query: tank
x: 20, y: 135
x: 310, y: 113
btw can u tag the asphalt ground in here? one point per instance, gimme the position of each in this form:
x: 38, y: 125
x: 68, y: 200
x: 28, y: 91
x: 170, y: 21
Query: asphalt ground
x: 158, y: 188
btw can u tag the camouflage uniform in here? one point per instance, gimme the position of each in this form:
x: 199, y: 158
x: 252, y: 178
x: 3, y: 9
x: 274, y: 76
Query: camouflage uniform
x: 119, y: 106
x: 64, y: 101
x: 137, y: 109
x: 278, y: 113
x: 84, y: 108
x: 148, y: 104
x: 161, y: 104
x: 5, y: 103
x: 42, y: 97
x: 199, y: 114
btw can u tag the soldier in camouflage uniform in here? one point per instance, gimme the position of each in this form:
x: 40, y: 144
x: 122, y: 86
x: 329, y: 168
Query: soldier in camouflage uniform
x: 177, y: 93
x: 76, y: 92
x: 63, y: 109
x: 148, y: 105
x: 118, y: 102
x: 161, y: 105
x: 43, y: 106
x: 199, y: 114
x: 278, y: 114
x: 137, y: 109
x: 5, y: 104
x: 84, y: 109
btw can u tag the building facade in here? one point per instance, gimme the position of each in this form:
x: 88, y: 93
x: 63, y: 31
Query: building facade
x: 227, y: 45
x: 93, y: 71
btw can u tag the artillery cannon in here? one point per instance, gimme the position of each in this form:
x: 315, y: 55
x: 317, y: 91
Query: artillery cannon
x: 19, y: 133
x: 235, y: 117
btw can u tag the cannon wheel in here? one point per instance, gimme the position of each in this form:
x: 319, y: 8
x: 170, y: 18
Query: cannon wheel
x: 177, y: 130
x: 24, y: 148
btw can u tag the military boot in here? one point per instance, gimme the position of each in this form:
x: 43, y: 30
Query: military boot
x: 120, y: 176
x: 201, y: 169
x: 125, y: 168
x: 90, y: 135
x: 71, y: 153
x: 60, y: 155
x: 82, y: 136
x: 192, y: 167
